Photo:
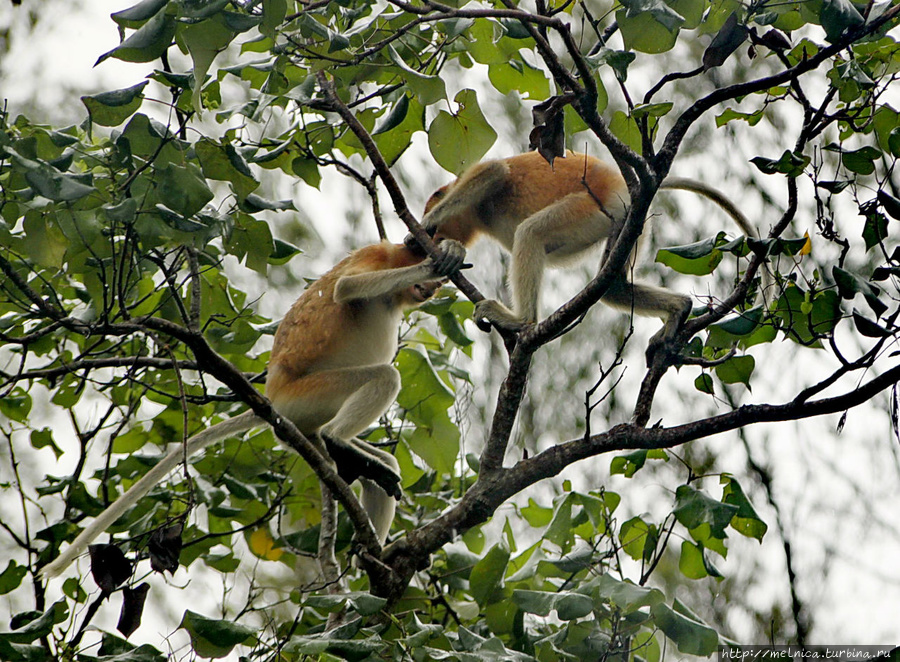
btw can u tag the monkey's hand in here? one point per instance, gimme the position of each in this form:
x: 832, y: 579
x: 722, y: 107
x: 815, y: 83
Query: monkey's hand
x: 490, y: 311
x: 450, y: 260
x: 354, y: 461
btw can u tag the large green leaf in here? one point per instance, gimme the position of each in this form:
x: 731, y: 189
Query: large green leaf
x: 488, y: 573
x: 215, y: 638
x: 113, y: 108
x: 694, y: 508
x: 649, y: 26
x: 691, y: 636
x: 148, y: 42
x: 459, y: 140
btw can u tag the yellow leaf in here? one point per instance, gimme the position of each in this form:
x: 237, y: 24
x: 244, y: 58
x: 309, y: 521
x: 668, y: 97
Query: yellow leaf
x: 263, y: 545
x: 807, y: 247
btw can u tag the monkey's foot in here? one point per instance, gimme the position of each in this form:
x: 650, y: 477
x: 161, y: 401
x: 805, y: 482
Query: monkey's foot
x: 660, y: 349
x: 491, y: 312
x: 355, y: 461
x: 662, y: 345
x: 451, y: 258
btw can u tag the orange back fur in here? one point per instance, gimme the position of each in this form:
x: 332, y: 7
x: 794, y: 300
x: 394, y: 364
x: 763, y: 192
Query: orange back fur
x: 317, y: 333
x: 522, y: 185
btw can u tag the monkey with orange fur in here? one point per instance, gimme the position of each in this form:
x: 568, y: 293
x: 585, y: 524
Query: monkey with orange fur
x: 551, y: 216
x: 330, y: 373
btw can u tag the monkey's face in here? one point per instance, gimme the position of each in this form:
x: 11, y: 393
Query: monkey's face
x: 421, y: 292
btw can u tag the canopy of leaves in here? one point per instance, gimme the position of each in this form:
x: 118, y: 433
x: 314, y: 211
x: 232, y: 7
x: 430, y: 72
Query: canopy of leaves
x: 119, y: 238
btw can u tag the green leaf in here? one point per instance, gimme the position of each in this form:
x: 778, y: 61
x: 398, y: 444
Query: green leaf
x: 697, y: 259
x: 395, y: 117
x: 12, y: 577
x: 729, y: 115
x: 837, y: 17
x: 274, y: 12
x: 361, y: 602
x: 691, y: 636
x: 113, y: 108
x: 869, y: 328
x: 618, y: 61
x: 745, y: 520
x: 147, y: 43
x: 460, y: 140
x: 648, y: 26
x: 736, y: 370
x: 694, y: 508
x: 39, y: 627
x: 889, y: 203
x: 822, y: 314
x: 282, y: 252
x: 652, y: 109
x: 488, y: 573
x: 704, y: 383
x: 790, y: 164
x: 629, y: 598
x: 203, y: 41
x: 224, y: 163
x: 427, y: 89
x: 628, y: 464
x: 690, y: 563
x: 727, y: 40
x: 834, y: 187
x: 519, y: 76
x: 43, y: 438
x: 215, y: 638
x: 861, y: 161
x: 730, y: 330
x: 875, y: 230
x: 393, y: 139
x: 625, y: 128
x: 183, y: 189
x: 568, y: 605
x: 637, y: 538
x: 560, y: 531
x: 850, y: 284
x: 138, y: 14
x: 50, y: 182
x: 894, y: 142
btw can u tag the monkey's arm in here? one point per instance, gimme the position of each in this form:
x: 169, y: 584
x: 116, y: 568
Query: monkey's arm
x: 375, y: 284
x: 104, y: 520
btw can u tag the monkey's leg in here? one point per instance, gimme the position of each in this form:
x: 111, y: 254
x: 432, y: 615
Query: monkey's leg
x: 340, y: 404
x: 643, y: 299
x: 557, y: 234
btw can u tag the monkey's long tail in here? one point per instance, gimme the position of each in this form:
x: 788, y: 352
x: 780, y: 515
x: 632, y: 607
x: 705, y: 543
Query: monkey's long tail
x: 104, y: 520
x: 698, y: 187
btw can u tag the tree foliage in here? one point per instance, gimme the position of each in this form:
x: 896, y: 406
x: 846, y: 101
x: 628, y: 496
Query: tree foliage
x: 119, y: 318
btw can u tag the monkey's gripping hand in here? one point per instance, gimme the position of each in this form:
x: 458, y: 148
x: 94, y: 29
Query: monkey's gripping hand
x: 450, y: 260
x: 356, y: 459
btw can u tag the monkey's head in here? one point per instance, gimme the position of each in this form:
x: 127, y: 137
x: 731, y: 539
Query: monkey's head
x: 422, y: 292
x: 435, y: 198
x: 410, y: 241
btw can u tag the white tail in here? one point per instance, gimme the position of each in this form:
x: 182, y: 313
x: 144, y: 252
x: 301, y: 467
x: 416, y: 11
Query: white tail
x: 104, y: 520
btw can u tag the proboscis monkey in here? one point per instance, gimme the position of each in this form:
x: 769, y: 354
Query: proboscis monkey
x: 552, y: 215
x: 330, y: 373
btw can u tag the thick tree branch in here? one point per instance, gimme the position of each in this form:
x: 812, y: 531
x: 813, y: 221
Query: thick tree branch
x: 482, y: 500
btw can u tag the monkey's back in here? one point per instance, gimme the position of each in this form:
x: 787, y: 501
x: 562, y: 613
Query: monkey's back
x: 318, y: 333
x: 536, y: 184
